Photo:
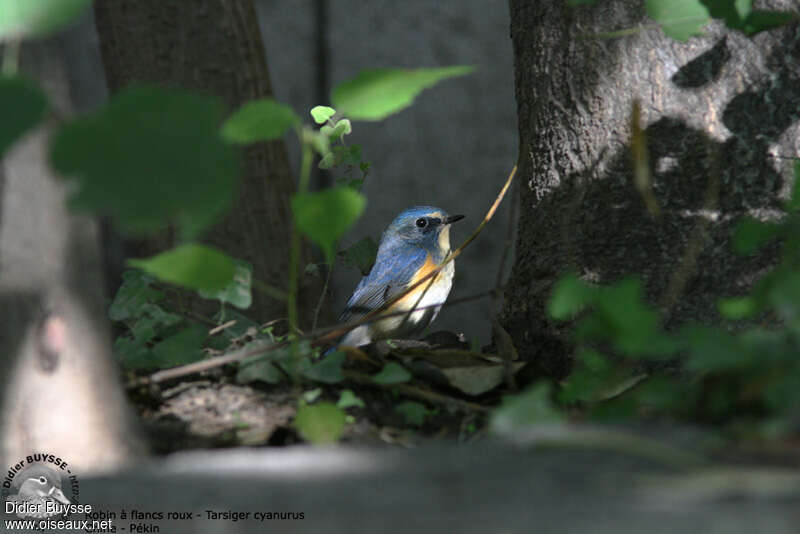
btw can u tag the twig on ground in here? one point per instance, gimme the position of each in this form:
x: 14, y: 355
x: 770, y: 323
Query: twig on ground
x: 241, y: 354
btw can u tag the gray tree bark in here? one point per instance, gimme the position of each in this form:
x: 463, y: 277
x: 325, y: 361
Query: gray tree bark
x: 59, y: 389
x: 213, y: 46
x: 720, y: 114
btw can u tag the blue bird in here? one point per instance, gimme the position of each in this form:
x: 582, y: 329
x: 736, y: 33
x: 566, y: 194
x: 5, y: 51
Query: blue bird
x: 415, y: 243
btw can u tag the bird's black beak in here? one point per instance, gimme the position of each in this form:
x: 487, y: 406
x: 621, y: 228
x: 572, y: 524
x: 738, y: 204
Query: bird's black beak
x: 452, y: 218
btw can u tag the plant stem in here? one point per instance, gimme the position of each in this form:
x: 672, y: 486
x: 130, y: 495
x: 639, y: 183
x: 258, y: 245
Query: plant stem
x: 10, y: 57
x: 294, y: 251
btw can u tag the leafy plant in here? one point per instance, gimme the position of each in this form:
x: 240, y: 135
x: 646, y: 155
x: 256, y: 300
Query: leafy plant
x: 743, y: 374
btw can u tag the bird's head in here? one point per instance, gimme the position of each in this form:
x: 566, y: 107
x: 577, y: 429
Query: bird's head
x: 39, y: 482
x: 422, y: 226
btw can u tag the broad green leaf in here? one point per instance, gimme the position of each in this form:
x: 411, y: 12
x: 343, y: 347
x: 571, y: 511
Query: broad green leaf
x: 376, y: 94
x: 320, y: 423
x: 413, y: 412
x: 530, y: 407
x: 238, y: 291
x: 184, y: 347
x: 259, y: 120
x: 392, y: 373
x: 348, y: 399
x: 360, y: 255
x: 570, y: 296
x: 325, y: 216
x: 26, y: 18
x: 328, y: 370
x: 132, y: 296
x: 321, y: 114
x: 680, y: 19
x: 22, y: 106
x: 193, y: 266
x: 150, y: 157
x: 751, y: 234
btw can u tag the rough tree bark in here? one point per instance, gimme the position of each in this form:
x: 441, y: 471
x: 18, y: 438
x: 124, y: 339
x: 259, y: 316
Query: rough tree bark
x: 215, y: 47
x: 721, y: 117
x: 59, y: 389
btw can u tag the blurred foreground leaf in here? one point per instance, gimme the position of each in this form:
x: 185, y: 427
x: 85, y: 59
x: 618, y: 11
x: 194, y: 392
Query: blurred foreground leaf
x: 680, y: 19
x: 325, y: 216
x: 320, y: 423
x: 150, y: 157
x: 376, y: 94
x: 193, y: 266
x: 27, y: 18
x: 22, y: 106
x: 259, y: 120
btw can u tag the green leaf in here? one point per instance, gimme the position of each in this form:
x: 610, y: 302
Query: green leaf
x: 348, y: 399
x: 738, y: 308
x: 133, y: 354
x: 570, y: 296
x: 321, y: 114
x: 325, y: 216
x: 680, y: 19
x: 413, y: 412
x: 193, y: 266
x: 22, y: 106
x: 184, y: 347
x: 311, y: 396
x: 360, y: 255
x: 343, y: 127
x: 321, y: 423
x: 238, y: 291
x: 392, y: 373
x: 259, y: 120
x: 150, y: 157
x: 528, y: 408
x: 376, y: 94
x: 328, y: 370
x: 328, y: 161
x: 793, y: 204
x: 154, y: 322
x: 758, y: 21
x: 751, y: 234
x: 258, y: 368
x: 26, y: 18
x: 712, y: 349
x: 132, y: 296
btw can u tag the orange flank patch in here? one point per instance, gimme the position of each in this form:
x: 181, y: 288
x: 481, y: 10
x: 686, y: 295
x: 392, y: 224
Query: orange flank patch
x: 411, y: 299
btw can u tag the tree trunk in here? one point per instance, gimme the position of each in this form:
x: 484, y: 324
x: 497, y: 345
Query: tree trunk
x: 213, y: 46
x: 60, y: 389
x: 720, y: 116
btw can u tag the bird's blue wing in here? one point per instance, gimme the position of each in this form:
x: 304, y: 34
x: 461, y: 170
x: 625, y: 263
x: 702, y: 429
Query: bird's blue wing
x: 390, y: 275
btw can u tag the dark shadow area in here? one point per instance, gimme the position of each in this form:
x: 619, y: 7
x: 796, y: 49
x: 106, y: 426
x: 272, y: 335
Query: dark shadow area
x: 705, y: 68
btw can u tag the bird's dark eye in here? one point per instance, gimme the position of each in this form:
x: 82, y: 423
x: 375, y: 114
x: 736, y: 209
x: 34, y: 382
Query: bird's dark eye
x: 422, y: 222
x: 42, y: 480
